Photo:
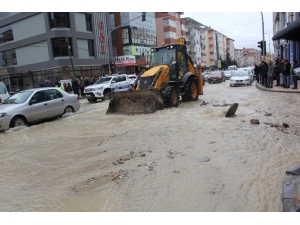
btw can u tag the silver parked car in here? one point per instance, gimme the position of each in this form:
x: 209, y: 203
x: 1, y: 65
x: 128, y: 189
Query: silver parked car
x: 34, y: 105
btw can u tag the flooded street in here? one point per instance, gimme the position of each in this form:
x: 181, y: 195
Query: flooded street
x: 189, y: 158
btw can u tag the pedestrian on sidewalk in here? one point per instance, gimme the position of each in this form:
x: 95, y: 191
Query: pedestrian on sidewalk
x: 256, y: 72
x: 270, y: 74
x: 295, y: 78
x: 264, y: 74
x: 281, y: 67
x: 286, y: 74
x: 259, y: 72
x: 277, y: 72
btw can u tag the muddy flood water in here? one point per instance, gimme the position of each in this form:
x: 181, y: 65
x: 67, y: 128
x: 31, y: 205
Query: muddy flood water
x: 186, y: 159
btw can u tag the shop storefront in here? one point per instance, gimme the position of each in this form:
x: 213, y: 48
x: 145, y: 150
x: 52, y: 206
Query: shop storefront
x: 129, y: 64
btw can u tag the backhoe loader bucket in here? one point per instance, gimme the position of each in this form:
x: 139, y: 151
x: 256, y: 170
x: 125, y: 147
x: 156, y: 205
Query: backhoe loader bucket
x: 135, y: 102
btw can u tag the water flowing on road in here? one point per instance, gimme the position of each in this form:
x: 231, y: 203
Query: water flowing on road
x: 190, y: 158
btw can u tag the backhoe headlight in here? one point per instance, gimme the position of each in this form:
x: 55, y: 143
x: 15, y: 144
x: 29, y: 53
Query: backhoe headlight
x: 2, y: 114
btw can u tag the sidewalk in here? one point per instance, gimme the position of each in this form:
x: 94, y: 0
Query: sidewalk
x: 278, y: 89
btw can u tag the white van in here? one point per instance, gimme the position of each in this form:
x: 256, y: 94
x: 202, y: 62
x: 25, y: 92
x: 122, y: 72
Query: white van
x: 3, y: 92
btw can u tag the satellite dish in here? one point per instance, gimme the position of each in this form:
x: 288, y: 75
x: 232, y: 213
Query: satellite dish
x: 232, y: 110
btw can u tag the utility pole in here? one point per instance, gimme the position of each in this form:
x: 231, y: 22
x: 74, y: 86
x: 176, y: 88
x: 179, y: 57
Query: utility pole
x: 263, y: 34
x: 69, y: 50
x: 109, y: 34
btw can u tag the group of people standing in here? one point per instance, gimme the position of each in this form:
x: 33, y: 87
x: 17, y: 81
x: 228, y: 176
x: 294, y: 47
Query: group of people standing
x: 79, y: 84
x: 267, y: 72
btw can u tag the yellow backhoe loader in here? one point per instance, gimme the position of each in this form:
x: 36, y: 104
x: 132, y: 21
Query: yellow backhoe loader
x: 171, y: 74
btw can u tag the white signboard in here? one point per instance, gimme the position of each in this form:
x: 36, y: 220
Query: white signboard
x: 125, y: 60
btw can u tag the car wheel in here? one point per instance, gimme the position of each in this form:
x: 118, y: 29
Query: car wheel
x: 68, y: 109
x: 18, y: 121
x: 107, y: 95
x: 171, y: 95
x: 190, y: 90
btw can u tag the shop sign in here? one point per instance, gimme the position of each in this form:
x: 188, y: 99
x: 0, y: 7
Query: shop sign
x: 102, y: 36
x: 126, y: 60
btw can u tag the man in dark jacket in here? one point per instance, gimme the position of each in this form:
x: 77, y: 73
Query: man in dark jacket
x: 277, y: 72
x: 264, y: 73
x: 286, y: 74
x: 256, y: 72
x: 281, y: 67
x: 295, y: 78
x: 75, y: 85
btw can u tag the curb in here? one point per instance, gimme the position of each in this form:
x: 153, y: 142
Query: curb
x: 272, y: 90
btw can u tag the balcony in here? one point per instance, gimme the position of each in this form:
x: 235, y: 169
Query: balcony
x: 190, y: 34
x: 191, y: 52
x: 211, y: 50
x: 203, y: 54
x: 190, y: 43
x: 212, y: 57
x: 211, y: 42
x: 211, y: 35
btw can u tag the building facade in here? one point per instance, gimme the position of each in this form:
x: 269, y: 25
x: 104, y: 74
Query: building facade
x: 286, y: 26
x: 249, y: 56
x: 238, y: 56
x: 195, y: 40
x: 132, y: 41
x: 35, y: 47
x: 230, y: 48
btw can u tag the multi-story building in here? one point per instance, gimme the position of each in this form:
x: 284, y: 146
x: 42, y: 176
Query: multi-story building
x: 35, y: 47
x: 212, y: 50
x: 238, y: 57
x: 286, y: 26
x: 230, y: 48
x: 132, y: 41
x: 195, y: 40
x: 249, y: 57
x: 168, y: 27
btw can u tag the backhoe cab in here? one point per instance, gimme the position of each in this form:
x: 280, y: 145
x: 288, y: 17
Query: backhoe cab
x: 170, y: 75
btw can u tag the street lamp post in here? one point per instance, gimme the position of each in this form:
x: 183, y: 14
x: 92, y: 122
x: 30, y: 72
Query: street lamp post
x: 269, y: 43
x: 109, y: 33
x: 263, y: 34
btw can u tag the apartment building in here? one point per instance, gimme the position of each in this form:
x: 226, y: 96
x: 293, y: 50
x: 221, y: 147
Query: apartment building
x: 168, y: 27
x: 230, y: 48
x: 132, y: 41
x: 35, y: 47
x: 249, y: 56
x: 195, y: 40
x: 211, y: 52
x: 238, y: 56
x: 286, y: 26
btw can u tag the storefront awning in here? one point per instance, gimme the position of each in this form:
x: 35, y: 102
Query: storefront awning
x: 291, y: 32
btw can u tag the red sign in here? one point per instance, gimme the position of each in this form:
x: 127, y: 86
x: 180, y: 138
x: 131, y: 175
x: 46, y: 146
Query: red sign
x: 102, y: 36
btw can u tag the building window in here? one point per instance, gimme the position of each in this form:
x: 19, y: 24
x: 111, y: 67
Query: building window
x: 88, y: 20
x: 125, y: 36
x: 6, y: 34
x: 91, y: 47
x: 59, y: 19
x: 8, y: 58
x: 60, y: 47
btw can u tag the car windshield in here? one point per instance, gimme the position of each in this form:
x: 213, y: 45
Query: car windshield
x: 240, y: 73
x: 103, y: 80
x: 161, y: 56
x: 18, y: 98
x: 227, y: 72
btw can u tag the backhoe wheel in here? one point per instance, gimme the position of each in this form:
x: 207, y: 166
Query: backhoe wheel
x: 171, y: 96
x: 190, y: 90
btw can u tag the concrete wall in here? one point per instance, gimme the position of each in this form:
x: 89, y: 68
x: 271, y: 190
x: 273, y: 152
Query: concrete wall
x: 80, y: 24
x: 31, y: 54
x: 29, y: 27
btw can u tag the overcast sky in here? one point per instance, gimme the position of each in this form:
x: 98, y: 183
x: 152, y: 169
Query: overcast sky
x: 244, y: 28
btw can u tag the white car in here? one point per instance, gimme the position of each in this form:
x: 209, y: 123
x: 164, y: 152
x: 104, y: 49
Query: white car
x: 34, y: 105
x: 240, y: 77
x: 103, y: 87
x: 250, y: 71
x: 228, y: 74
